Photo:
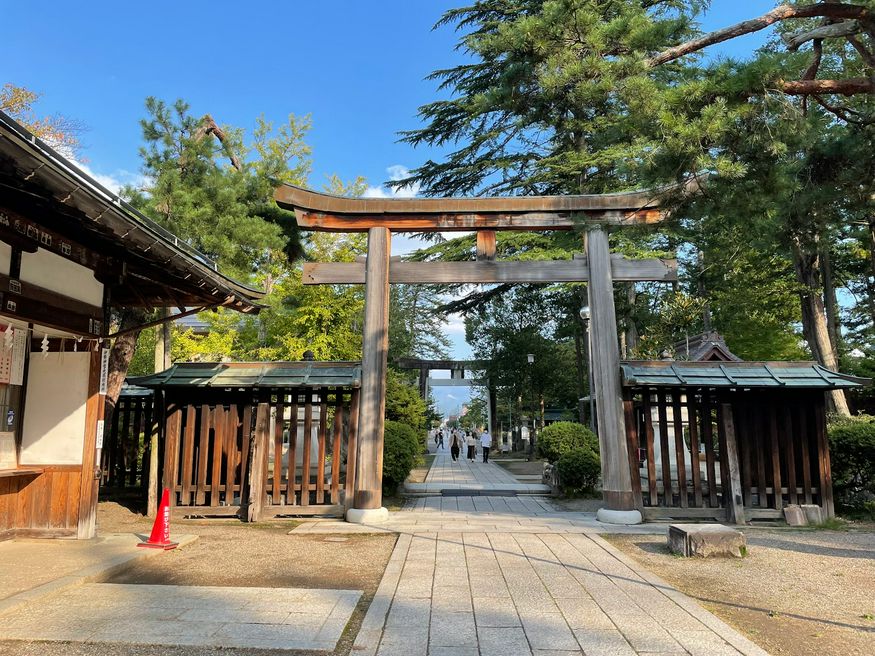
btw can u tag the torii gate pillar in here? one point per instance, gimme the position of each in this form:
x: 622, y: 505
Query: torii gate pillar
x: 368, y: 498
x: 605, y: 362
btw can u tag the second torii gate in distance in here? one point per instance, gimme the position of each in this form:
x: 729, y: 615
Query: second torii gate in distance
x: 457, y: 369
x: 379, y: 217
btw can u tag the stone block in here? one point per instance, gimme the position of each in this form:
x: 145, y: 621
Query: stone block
x: 706, y: 540
x: 813, y: 513
x: 795, y: 516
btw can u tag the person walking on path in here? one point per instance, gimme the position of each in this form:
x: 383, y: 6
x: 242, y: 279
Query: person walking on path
x: 454, y: 447
x: 441, y: 440
x: 485, y: 443
x: 472, y: 446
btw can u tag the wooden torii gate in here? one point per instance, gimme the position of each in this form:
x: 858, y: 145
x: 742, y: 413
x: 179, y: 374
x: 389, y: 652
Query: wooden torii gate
x: 380, y: 217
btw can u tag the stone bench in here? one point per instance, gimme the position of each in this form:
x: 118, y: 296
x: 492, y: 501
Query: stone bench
x: 706, y: 540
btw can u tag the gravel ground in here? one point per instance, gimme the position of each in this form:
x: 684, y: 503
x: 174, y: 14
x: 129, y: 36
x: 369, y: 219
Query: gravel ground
x: 229, y: 553
x: 804, y: 593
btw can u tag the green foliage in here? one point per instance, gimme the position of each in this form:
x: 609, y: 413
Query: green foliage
x: 560, y: 437
x: 403, y: 403
x: 402, y: 449
x: 416, y: 326
x: 852, y: 454
x: 579, y: 470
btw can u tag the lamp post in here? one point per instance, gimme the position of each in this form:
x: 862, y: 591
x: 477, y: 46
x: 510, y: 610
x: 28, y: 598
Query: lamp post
x: 531, y: 359
x: 584, y: 317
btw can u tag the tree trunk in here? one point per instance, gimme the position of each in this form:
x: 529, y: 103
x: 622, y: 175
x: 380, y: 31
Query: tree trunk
x: 703, y: 292
x: 833, y: 322
x: 120, y: 358
x: 814, y: 322
x: 581, y: 372
x: 631, y: 326
x: 162, y: 344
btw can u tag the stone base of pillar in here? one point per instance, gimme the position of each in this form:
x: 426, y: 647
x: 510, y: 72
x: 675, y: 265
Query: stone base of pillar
x: 625, y: 517
x: 367, y: 515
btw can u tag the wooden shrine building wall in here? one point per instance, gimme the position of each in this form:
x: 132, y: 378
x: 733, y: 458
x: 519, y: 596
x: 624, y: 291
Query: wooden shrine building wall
x: 729, y: 454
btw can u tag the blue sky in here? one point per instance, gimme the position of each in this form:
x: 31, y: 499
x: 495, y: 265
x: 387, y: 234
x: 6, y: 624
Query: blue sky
x: 357, y: 68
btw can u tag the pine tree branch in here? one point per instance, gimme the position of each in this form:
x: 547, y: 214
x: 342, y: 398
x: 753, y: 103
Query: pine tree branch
x: 209, y: 126
x: 835, y: 10
x: 849, y: 87
x: 831, y: 31
x: 866, y: 54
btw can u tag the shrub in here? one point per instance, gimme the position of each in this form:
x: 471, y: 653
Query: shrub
x: 401, y: 449
x: 562, y: 436
x: 579, y: 470
x: 852, y: 455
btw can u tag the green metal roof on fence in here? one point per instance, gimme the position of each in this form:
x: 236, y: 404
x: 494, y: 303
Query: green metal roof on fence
x: 255, y: 374
x: 648, y: 373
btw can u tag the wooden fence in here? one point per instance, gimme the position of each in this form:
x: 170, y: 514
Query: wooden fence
x: 292, y: 452
x: 229, y: 453
x: 739, y: 454
x: 125, y: 457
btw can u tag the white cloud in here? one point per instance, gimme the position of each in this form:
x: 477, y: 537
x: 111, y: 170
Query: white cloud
x: 452, y: 396
x: 455, y: 324
x: 396, y: 172
x: 116, y: 180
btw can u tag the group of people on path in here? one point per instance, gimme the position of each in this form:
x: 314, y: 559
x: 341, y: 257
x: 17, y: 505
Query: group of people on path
x: 467, y: 438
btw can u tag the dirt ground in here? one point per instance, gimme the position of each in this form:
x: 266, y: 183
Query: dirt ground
x: 419, y: 473
x: 230, y: 553
x: 801, y: 593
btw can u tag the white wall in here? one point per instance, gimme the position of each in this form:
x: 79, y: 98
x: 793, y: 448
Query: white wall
x: 51, y: 271
x: 54, y: 413
x: 5, y: 257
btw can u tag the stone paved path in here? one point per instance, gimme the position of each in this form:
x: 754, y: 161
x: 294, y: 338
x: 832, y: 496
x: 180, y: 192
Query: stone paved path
x: 514, y: 576
x: 267, y: 618
x: 462, y: 474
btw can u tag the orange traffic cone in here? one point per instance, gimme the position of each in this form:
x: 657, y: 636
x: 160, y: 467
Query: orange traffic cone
x: 160, y: 537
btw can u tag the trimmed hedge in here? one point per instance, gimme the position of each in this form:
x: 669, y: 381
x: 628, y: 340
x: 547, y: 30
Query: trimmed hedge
x: 852, y: 456
x: 579, y: 470
x: 563, y: 436
x: 401, y: 451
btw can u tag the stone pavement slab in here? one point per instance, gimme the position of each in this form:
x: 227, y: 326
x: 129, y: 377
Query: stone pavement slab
x: 266, y: 618
x: 495, y: 592
x: 45, y: 567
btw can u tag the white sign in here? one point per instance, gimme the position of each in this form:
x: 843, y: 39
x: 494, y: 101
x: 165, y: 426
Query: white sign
x: 99, y: 441
x: 104, y: 370
x: 19, y: 353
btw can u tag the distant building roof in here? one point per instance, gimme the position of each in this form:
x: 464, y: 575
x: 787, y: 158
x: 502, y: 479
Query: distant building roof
x: 707, y: 346
x: 254, y: 374
x: 651, y: 373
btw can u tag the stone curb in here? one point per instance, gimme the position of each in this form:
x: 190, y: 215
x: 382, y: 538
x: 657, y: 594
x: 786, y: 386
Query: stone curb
x: 730, y: 635
x: 92, y: 574
x: 368, y: 638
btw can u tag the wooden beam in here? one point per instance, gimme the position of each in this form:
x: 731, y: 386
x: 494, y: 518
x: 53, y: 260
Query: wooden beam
x: 486, y: 272
x: 293, y: 198
x: 616, y: 478
x: 465, y: 221
x: 485, y: 245
x: 375, y: 347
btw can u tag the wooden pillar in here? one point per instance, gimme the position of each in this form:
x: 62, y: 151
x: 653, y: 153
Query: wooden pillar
x: 375, y: 347
x: 89, y: 483
x: 257, y: 468
x: 735, y: 504
x: 423, y: 383
x: 493, y: 411
x: 158, y: 418
x: 616, y: 480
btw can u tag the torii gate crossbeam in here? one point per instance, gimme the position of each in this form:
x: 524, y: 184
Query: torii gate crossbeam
x: 593, y: 213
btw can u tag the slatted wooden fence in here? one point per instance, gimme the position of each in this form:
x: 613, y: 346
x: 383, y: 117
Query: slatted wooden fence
x: 220, y: 457
x: 125, y: 457
x: 741, y: 454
